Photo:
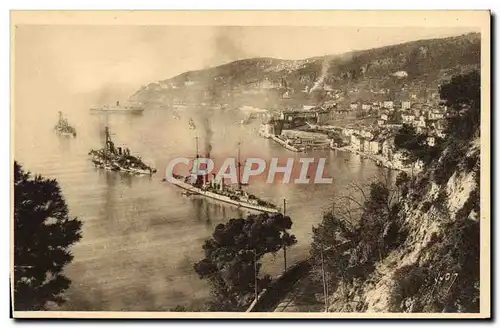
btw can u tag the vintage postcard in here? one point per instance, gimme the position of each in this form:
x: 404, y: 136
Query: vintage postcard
x: 250, y: 164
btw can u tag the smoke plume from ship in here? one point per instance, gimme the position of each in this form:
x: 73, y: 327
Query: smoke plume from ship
x: 207, y: 130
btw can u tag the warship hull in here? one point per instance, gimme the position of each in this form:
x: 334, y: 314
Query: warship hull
x: 66, y: 133
x: 116, y: 167
x: 195, y: 190
x: 117, y: 109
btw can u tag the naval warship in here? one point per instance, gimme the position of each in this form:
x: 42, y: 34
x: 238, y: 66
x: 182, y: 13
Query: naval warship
x: 114, y: 158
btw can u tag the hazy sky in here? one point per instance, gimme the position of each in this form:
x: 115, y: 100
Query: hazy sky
x: 72, y: 59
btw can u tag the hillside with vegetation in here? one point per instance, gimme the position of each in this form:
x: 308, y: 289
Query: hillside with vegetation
x: 414, y: 245
x: 397, y: 72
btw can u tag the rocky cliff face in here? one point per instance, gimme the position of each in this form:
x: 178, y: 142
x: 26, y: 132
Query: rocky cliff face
x: 436, y: 269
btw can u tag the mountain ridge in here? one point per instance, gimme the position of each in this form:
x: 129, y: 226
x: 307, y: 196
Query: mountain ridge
x: 359, y: 75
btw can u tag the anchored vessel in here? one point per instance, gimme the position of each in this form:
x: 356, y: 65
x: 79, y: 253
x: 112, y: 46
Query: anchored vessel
x: 64, y: 128
x: 130, y: 108
x: 118, y: 159
x: 200, y: 185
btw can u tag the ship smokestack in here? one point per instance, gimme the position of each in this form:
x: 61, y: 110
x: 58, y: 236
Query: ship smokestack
x: 206, y: 177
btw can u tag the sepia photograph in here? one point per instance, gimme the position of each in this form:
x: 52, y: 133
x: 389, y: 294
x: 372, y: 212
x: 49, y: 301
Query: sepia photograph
x: 250, y: 164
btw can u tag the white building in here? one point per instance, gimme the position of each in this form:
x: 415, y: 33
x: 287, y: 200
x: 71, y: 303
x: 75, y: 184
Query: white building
x: 266, y: 130
x: 408, y: 118
x: 388, y: 104
x: 353, y: 106
x: 436, y: 115
x: 371, y: 146
x: 357, y: 142
x: 398, y: 159
x: 421, y: 121
x: 366, y: 134
x: 387, y: 145
x: 349, y: 132
x: 400, y: 74
x: 405, y: 105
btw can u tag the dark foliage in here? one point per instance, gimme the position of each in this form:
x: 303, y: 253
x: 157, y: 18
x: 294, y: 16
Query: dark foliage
x: 403, y: 183
x: 420, y: 188
x: 441, y: 201
x: 462, y: 95
x: 407, y: 282
x: 415, y: 146
x: 426, y: 206
x: 229, y: 263
x: 351, y: 252
x: 449, y: 161
x: 472, y: 204
x: 472, y: 162
x: 43, y: 234
x: 332, y: 236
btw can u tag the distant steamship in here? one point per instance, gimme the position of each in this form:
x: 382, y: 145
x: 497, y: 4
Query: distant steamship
x: 199, y: 184
x: 124, y: 108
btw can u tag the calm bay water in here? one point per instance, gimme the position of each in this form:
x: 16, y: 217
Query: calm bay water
x: 141, y: 237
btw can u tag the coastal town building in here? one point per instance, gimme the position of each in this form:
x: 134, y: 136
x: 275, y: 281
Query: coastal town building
x: 408, y: 118
x: 387, y: 146
x: 357, y: 142
x: 371, y: 146
x: 294, y: 114
x: 422, y: 129
x: 405, y: 105
x: 267, y: 130
x: 389, y: 104
x: 400, y: 74
x: 421, y: 122
x: 365, y: 133
x: 436, y: 115
x: 349, y: 131
x: 393, y: 125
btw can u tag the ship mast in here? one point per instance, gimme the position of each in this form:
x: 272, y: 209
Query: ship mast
x: 195, y: 162
x: 196, y: 146
x: 239, y: 167
x: 106, y: 142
